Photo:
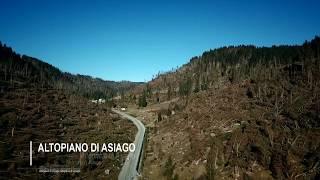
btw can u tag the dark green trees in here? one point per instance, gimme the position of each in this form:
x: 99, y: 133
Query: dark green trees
x: 143, y: 99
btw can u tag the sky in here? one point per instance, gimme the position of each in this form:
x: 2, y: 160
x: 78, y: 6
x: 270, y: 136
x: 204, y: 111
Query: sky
x: 134, y: 40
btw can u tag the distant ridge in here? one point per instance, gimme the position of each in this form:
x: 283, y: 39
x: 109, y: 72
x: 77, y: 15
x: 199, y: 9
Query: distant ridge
x: 24, y: 70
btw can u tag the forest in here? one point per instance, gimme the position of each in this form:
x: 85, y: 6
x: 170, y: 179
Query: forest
x: 17, y: 70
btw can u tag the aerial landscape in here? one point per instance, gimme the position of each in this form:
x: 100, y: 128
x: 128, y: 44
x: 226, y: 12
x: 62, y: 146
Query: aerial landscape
x: 159, y: 90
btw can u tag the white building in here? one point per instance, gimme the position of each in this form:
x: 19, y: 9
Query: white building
x: 102, y: 101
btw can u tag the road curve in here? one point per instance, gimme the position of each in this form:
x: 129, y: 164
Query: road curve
x: 130, y: 166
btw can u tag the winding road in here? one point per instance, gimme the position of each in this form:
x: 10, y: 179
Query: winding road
x: 131, y: 165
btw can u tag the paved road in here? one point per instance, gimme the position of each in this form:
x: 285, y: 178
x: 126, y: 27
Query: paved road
x: 129, y: 169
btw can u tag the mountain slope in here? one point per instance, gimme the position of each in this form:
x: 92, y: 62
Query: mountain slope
x: 24, y: 70
x: 240, y: 112
x: 236, y: 63
x: 40, y: 103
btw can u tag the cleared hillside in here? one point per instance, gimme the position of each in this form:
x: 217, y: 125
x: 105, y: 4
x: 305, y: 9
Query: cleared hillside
x: 241, y: 112
x: 40, y: 103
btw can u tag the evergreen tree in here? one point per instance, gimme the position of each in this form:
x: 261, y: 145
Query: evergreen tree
x: 169, y: 93
x: 185, y: 87
x: 197, y: 85
x: 143, y: 99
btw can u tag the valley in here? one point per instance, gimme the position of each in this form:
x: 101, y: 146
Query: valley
x: 233, y: 113
x: 238, y: 112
